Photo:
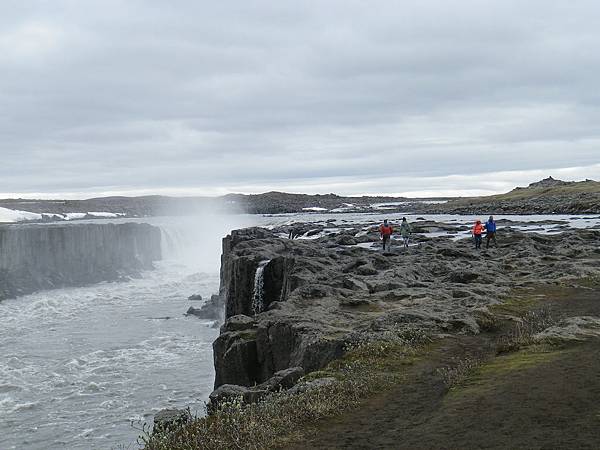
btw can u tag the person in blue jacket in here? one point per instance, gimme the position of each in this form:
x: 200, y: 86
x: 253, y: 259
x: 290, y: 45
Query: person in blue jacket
x: 490, y: 228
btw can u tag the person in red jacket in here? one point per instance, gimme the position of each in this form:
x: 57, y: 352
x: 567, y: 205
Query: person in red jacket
x: 477, y: 232
x: 386, y: 234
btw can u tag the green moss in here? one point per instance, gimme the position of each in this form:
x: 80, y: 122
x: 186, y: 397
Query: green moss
x: 490, y: 374
x: 516, y: 306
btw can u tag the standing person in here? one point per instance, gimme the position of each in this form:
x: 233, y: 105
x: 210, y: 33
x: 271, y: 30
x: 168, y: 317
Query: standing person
x: 490, y: 232
x: 477, y: 231
x: 386, y: 234
x: 405, y: 231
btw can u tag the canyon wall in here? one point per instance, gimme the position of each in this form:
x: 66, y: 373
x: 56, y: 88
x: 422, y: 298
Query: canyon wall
x: 36, y: 257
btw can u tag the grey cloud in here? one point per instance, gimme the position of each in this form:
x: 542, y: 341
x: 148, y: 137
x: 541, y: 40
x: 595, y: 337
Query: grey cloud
x: 145, y: 95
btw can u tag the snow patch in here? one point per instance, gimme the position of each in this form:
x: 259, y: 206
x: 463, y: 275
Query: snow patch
x: 14, y: 215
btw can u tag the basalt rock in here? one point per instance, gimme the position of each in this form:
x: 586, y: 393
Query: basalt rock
x: 213, y: 309
x: 317, y: 295
x: 36, y: 257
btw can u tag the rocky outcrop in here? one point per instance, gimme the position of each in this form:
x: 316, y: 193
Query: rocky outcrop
x: 318, y: 295
x: 282, y: 380
x: 168, y: 420
x: 212, y: 309
x: 35, y: 257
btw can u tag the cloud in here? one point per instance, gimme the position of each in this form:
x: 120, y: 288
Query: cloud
x: 345, y: 96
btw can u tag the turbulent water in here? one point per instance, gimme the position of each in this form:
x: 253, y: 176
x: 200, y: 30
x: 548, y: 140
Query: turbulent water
x: 78, y: 365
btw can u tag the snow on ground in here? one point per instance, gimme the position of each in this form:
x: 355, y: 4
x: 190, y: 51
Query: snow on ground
x: 315, y: 208
x: 13, y: 215
x: 105, y: 214
x: 74, y: 216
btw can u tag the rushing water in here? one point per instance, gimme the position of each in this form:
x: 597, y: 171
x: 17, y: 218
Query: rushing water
x: 78, y: 365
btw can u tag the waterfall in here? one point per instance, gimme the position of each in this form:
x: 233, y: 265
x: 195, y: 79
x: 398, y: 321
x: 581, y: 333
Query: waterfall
x: 259, y: 285
x: 36, y: 257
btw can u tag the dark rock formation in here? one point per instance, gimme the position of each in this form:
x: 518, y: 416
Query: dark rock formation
x: 319, y: 295
x: 213, y: 309
x: 282, y: 380
x: 35, y: 257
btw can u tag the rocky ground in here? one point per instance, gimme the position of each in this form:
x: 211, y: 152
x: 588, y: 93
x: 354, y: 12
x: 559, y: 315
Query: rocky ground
x: 540, y: 397
x: 438, y: 346
x: 318, y: 295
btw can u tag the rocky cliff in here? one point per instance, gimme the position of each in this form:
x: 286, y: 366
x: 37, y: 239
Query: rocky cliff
x: 296, y: 303
x: 35, y: 257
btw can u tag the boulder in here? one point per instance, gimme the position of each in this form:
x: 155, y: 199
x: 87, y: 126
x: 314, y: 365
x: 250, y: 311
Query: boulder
x: 168, y: 420
x: 195, y: 298
x: 367, y: 269
x: 463, y: 277
x: 238, y: 322
x: 213, y: 309
x: 284, y: 379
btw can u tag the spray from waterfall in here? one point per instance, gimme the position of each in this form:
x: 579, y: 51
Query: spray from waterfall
x: 259, y: 286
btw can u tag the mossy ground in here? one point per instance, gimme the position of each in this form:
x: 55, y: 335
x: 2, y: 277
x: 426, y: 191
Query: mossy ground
x: 389, y: 394
x: 537, y: 396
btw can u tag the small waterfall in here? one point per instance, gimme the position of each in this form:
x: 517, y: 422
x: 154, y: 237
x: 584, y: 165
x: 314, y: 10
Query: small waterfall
x: 259, y: 285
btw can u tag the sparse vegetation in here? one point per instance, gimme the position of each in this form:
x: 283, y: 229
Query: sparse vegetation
x: 367, y: 367
x: 522, y: 334
x: 455, y: 375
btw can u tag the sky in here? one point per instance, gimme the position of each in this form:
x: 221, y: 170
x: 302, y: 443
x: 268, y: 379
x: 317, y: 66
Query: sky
x: 191, y: 97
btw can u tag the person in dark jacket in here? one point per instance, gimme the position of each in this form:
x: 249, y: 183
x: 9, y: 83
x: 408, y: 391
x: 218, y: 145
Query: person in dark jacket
x: 490, y: 235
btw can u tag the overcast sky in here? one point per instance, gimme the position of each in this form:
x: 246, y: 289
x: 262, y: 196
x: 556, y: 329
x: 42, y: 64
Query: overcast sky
x: 203, y: 97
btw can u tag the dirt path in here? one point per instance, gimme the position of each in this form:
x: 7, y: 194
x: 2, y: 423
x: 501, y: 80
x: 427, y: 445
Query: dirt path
x: 523, y: 400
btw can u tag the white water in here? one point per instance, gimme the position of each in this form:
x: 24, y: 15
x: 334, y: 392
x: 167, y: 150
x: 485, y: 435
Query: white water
x: 76, y: 365
x: 259, y: 284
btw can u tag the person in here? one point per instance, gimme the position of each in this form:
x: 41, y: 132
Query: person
x: 405, y: 231
x: 490, y: 232
x: 477, y: 231
x: 386, y: 234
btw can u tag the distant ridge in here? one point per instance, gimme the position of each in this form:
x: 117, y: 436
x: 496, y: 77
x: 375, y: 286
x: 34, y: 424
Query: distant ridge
x: 550, y: 182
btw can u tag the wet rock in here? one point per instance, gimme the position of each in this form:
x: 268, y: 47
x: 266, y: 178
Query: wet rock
x: 213, y: 309
x: 195, y: 298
